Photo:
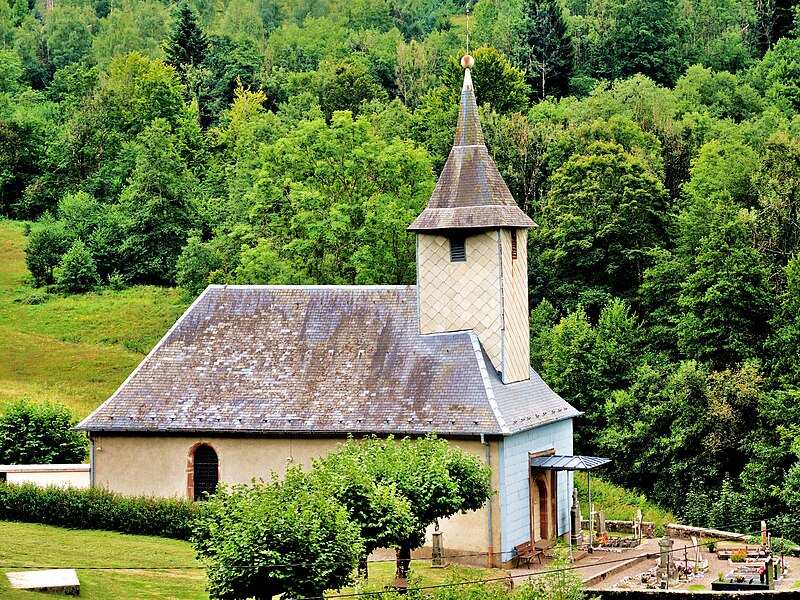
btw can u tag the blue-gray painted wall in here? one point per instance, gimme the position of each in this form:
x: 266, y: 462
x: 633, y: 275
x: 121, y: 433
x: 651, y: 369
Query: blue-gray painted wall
x: 515, y: 512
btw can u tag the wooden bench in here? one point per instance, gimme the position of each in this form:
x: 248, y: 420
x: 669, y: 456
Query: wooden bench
x: 527, y: 552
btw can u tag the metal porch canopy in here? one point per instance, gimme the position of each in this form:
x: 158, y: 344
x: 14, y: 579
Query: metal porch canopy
x: 568, y: 463
x: 573, y: 463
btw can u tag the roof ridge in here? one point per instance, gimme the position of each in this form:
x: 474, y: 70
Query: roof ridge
x: 476, y: 346
x: 247, y: 286
x: 468, y: 131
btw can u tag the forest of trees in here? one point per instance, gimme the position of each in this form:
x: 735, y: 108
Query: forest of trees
x: 655, y: 142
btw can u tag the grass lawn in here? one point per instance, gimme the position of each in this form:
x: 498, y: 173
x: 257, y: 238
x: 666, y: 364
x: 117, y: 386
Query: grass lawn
x: 73, y: 349
x: 381, y: 575
x: 43, y: 546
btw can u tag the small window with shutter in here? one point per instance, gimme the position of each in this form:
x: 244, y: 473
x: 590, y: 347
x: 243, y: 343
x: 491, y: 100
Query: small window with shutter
x: 513, y: 244
x: 458, y: 248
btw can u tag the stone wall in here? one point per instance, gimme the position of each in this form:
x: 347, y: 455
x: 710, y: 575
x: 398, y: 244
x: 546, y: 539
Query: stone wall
x: 687, y: 531
x: 648, y: 527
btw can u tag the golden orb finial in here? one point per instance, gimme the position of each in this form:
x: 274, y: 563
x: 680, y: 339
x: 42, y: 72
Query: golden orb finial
x: 467, y: 61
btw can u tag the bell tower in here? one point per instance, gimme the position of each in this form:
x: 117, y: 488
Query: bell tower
x: 472, y: 250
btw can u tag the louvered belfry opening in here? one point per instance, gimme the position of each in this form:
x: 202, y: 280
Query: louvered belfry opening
x: 206, y: 471
x: 458, y: 248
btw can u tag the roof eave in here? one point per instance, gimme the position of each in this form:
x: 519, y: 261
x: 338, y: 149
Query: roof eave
x: 539, y: 424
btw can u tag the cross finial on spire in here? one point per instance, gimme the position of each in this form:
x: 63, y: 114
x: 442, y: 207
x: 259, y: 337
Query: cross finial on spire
x: 467, y: 61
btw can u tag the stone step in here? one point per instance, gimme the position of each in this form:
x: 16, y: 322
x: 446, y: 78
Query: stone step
x: 578, y: 555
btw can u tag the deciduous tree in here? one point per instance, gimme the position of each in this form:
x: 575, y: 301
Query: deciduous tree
x: 77, y: 271
x: 47, y: 243
x: 726, y: 298
x: 603, y: 213
x: 284, y: 537
x: 495, y: 80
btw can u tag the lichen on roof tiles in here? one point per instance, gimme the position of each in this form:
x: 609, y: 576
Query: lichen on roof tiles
x: 316, y: 360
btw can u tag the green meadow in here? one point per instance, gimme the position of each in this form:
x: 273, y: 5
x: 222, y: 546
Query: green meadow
x: 619, y: 504
x: 73, y: 349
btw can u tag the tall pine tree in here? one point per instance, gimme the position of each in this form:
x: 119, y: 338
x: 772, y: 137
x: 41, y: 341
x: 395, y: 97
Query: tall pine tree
x: 545, y: 48
x: 186, y: 45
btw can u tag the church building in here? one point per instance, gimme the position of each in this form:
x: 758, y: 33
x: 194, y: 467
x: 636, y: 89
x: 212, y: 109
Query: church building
x: 252, y: 379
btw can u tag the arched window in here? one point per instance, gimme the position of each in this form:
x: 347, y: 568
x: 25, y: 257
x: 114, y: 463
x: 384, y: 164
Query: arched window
x: 205, y: 471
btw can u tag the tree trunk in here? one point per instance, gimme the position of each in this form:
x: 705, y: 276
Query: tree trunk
x: 363, y: 568
x: 403, y: 562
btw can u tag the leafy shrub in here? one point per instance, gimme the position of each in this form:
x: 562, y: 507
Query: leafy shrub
x: 77, y: 271
x: 39, y: 433
x: 47, y: 242
x: 278, y: 526
x: 97, y: 508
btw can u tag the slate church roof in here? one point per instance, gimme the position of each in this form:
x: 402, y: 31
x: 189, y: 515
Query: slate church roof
x: 319, y: 360
x: 470, y: 192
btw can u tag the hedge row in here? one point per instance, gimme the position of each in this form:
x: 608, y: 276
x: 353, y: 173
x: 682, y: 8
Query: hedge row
x: 97, y: 508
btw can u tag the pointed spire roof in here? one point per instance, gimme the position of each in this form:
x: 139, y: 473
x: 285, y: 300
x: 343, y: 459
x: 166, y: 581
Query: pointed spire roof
x: 470, y: 192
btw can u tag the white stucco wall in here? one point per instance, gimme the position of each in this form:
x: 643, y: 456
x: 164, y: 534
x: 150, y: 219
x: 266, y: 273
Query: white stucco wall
x: 78, y: 476
x: 514, y: 481
x: 157, y: 466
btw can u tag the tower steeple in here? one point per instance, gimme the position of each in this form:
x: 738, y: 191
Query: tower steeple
x: 470, y: 192
x: 472, y: 270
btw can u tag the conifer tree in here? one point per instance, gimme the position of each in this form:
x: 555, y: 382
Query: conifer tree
x: 19, y: 10
x: 186, y: 45
x: 545, y: 51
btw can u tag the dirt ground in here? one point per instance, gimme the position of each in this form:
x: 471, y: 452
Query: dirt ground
x: 603, y: 570
x: 715, y: 566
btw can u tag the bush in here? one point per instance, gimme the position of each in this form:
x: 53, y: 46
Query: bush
x: 34, y: 298
x: 40, y: 433
x: 77, y: 272
x: 97, y: 508
x: 280, y: 538
x: 47, y: 242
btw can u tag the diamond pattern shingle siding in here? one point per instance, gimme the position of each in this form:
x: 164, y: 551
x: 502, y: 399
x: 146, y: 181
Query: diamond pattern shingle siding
x: 272, y: 359
x: 516, y: 314
x: 461, y: 296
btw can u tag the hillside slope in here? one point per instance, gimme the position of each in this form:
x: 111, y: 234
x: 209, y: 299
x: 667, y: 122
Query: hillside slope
x: 72, y: 349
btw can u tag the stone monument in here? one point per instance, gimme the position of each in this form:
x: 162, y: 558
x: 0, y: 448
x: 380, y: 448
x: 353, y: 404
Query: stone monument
x: 666, y: 572
x: 576, y: 538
